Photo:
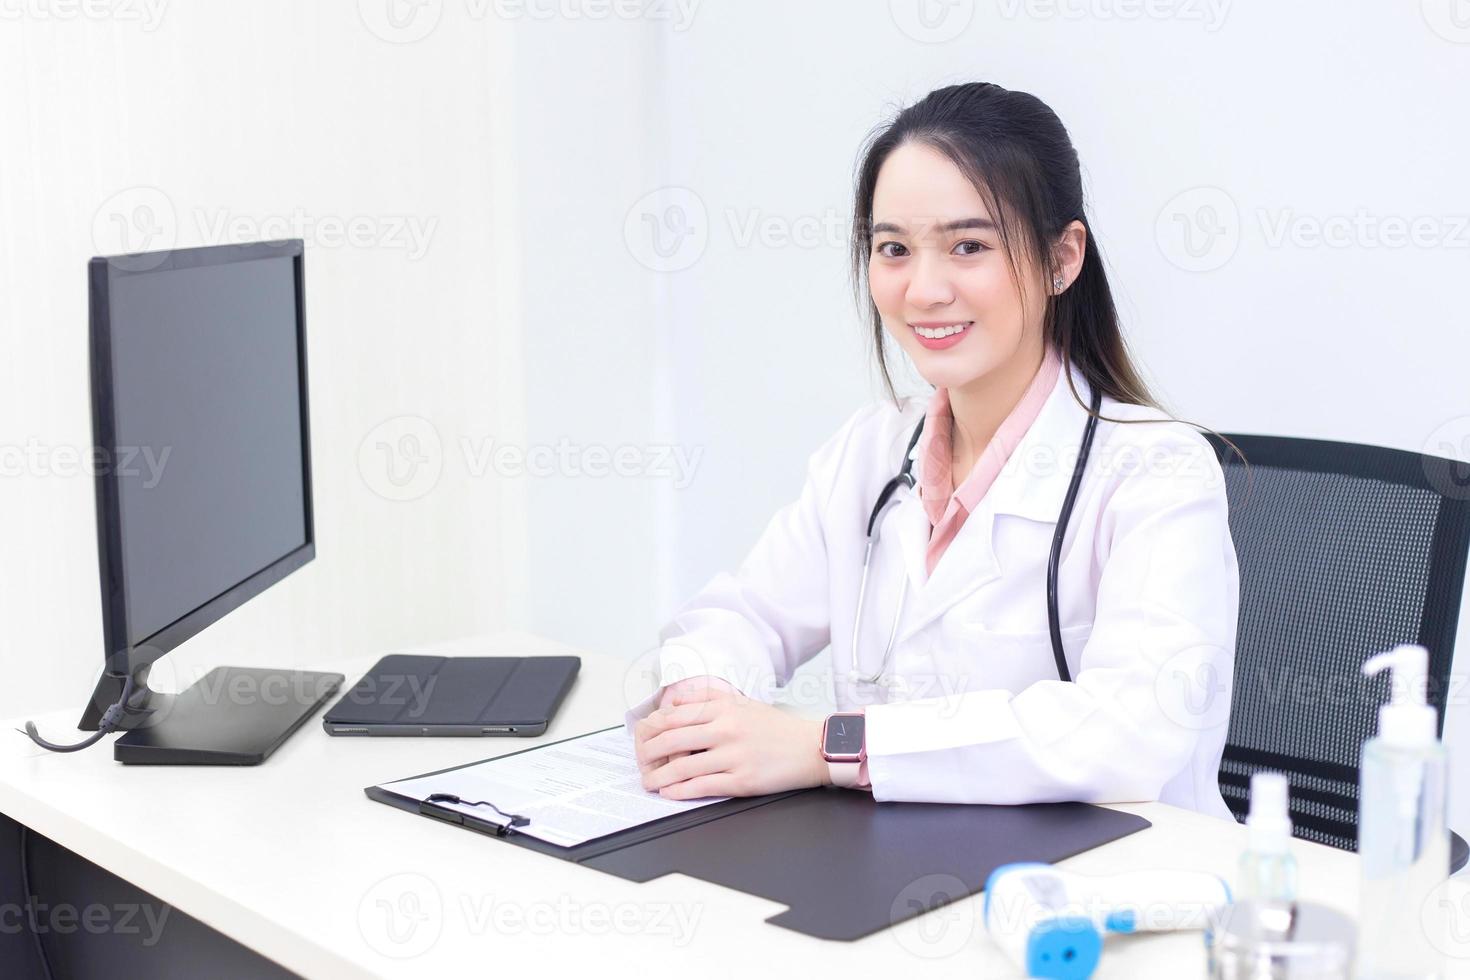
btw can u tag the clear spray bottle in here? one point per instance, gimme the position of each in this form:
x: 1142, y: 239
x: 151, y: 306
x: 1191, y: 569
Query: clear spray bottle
x: 1268, y: 868
x: 1403, y: 842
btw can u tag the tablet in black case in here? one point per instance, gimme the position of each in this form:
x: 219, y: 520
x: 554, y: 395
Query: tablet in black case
x: 405, y: 694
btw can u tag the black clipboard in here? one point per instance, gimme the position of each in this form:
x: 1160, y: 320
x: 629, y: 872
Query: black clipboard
x: 845, y: 865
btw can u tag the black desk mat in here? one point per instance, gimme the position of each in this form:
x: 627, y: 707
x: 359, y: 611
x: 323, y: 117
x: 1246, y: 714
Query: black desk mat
x: 847, y: 866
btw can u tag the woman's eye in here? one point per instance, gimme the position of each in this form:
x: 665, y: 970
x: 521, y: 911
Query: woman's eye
x: 891, y: 250
x: 970, y: 247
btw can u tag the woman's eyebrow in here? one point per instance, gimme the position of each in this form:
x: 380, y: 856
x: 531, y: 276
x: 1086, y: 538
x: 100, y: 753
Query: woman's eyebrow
x: 982, y: 224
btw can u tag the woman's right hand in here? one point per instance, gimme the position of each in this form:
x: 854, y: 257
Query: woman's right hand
x: 703, y: 687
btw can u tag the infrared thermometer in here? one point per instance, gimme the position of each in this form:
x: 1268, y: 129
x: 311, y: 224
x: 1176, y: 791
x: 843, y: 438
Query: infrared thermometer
x: 1051, y: 923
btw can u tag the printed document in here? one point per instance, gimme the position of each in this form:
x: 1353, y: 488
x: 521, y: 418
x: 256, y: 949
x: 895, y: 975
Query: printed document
x: 572, y: 791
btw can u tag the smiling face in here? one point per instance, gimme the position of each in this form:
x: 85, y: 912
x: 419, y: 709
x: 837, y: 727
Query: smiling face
x: 939, y: 277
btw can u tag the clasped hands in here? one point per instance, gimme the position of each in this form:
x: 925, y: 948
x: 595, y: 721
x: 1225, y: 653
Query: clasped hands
x: 708, y: 739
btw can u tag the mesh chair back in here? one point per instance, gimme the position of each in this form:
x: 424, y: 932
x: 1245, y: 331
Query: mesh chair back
x: 1345, y: 551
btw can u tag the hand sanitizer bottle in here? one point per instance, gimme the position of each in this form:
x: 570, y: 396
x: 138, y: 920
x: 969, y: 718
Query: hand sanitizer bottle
x: 1267, y: 868
x: 1403, y: 843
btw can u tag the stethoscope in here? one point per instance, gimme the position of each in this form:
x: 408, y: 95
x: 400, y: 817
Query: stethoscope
x: 906, y: 478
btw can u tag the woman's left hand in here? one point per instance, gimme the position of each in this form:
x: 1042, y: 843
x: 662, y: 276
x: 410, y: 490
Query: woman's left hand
x: 748, y: 748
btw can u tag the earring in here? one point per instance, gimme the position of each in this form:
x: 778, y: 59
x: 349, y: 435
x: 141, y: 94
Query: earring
x: 1056, y: 283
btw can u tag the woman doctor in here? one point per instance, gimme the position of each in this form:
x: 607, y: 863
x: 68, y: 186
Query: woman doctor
x: 971, y: 236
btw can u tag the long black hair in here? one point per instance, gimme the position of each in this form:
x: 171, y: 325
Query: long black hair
x: 1015, y: 151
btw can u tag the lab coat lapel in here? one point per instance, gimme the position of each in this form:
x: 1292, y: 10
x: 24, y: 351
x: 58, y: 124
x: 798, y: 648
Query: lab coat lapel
x: 1032, y: 484
x: 912, y: 526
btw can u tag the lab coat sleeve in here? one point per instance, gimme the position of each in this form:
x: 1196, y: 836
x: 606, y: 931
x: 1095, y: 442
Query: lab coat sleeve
x: 754, y: 627
x: 1163, y: 630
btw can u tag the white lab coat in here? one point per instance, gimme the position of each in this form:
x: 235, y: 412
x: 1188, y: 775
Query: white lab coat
x: 1149, y: 597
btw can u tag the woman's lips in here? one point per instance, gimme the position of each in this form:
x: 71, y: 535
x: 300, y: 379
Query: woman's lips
x: 941, y: 333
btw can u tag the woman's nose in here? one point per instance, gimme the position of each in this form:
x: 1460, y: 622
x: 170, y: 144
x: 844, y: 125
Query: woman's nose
x: 929, y: 284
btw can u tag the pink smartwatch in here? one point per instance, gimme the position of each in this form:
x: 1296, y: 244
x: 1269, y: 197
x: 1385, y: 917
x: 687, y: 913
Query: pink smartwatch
x: 844, y: 746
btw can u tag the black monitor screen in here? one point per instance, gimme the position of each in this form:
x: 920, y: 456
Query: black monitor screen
x: 207, y: 412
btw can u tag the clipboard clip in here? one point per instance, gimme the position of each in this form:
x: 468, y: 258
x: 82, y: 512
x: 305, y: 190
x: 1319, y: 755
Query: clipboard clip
x: 501, y: 829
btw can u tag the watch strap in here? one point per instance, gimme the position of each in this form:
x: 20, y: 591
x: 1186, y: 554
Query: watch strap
x: 844, y: 774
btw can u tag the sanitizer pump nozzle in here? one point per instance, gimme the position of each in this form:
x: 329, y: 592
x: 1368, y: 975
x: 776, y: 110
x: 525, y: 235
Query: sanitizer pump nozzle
x: 1407, y: 718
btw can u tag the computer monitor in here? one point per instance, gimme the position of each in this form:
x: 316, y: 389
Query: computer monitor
x: 203, y: 486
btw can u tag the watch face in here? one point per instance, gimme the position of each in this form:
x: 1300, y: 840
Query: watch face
x: 844, y: 735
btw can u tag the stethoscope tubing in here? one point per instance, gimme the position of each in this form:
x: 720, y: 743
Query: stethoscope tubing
x: 905, y: 478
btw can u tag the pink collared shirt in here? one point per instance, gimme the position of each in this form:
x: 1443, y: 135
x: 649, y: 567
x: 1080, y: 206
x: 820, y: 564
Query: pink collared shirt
x: 948, y: 505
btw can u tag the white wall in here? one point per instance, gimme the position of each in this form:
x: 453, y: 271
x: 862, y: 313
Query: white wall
x: 589, y: 139
x: 220, y: 123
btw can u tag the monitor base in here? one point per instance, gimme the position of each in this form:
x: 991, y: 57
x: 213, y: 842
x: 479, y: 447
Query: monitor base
x: 232, y: 716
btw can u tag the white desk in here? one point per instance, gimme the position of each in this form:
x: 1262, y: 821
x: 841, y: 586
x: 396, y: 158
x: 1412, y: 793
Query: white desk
x: 292, y: 860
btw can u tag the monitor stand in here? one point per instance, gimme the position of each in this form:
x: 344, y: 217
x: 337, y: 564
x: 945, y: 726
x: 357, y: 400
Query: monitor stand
x: 232, y: 716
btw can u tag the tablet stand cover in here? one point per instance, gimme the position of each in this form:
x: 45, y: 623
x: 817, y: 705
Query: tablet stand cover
x: 414, y: 690
x: 845, y: 865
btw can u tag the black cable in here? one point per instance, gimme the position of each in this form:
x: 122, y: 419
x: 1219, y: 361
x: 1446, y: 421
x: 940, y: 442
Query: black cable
x: 25, y: 884
x: 111, y: 720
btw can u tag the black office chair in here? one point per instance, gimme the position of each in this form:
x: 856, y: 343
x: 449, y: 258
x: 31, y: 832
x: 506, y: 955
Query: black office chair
x: 1345, y: 551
